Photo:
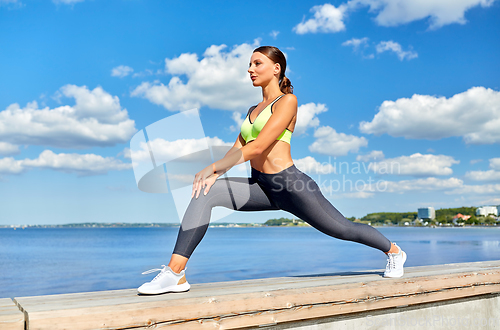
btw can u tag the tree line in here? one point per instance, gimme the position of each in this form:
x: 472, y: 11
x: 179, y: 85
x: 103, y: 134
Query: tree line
x: 443, y: 216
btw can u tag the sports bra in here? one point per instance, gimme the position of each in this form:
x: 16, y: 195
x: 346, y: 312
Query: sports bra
x: 250, y: 131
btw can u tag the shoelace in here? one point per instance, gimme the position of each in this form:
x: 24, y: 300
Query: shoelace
x: 161, y: 270
x: 391, y: 264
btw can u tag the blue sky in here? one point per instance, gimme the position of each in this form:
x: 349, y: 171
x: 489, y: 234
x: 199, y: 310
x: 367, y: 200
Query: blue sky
x: 413, y: 85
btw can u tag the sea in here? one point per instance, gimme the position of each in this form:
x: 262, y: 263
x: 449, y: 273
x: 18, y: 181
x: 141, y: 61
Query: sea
x: 45, y: 261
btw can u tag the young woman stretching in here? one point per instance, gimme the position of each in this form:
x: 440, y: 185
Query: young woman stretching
x: 275, y: 184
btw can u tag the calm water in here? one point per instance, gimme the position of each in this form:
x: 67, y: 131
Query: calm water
x: 38, y: 261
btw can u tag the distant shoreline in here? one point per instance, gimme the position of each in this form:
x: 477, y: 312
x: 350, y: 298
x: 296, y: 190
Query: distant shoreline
x: 444, y: 218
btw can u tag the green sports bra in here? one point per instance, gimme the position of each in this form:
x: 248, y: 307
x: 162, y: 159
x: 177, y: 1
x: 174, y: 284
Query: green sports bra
x: 250, y: 131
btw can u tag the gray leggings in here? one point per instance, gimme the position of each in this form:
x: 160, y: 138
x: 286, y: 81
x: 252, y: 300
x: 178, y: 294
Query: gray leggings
x: 290, y: 190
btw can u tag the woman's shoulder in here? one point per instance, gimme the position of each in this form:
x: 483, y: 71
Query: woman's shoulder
x: 289, y: 97
x: 286, y: 104
x: 288, y: 100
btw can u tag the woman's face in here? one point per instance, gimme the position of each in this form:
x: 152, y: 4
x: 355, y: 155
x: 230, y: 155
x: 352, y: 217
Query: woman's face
x: 262, y: 69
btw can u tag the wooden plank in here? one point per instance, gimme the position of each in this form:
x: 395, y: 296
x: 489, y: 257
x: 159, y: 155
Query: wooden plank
x: 243, y: 319
x: 119, y: 297
x: 300, y: 313
x: 134, y: 298
x: 11, y: 318
x: 327, y: 296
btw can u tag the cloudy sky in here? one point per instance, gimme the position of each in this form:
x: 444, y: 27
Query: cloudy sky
x: 399, y: 102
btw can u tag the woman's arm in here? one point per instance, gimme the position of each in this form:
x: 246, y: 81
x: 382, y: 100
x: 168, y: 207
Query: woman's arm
x: 238, y: 144
x: 283, y: 112
x: 207, y: 177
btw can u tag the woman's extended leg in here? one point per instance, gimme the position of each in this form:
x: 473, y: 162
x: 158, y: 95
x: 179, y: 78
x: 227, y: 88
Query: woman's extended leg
x: 242, y: 194
x: 297, y: 193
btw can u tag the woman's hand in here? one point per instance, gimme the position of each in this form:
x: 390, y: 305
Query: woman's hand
x: 205, y: 177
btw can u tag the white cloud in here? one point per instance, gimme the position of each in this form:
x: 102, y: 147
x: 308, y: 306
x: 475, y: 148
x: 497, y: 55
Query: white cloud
x: 475, y: 189
x: 167, y: 150
x: 306, y: 117
x: 67, y: 2
x: 390, y: 45
x: 121, y: 71
x: 96, y: 119
x: 495, y: 164
x: 327, y: 18
x: 439, y: 13
x: 12, y: 4
x: 83, y: 165
x: 356, y: 43
x: 335, y: 191
x: 427, y: 184
x: 360, y: 45
x: 86, y: 164
x: 148, y: 72
x: 329, y: 142
x: 219, y: 80
x: 491, y: 175
x: 125, y: 153
x: 475, y: 161
x: 310, y: 165
x: 473, y: 114
x: 357, y: 194
x: 372, y: 156
x: 489, y: 201
x: 367, y: 188
x: 238, y: 119
x: 416, y: 165
x: 274, y: 34
x: 449, y: 186
x: 8, y: 149
x: 9, y: 165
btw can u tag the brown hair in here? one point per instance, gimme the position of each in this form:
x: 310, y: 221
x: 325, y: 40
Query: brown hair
x: 277, y: 56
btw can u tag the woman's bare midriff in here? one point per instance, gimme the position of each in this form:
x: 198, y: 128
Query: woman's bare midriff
x: 275, y: 159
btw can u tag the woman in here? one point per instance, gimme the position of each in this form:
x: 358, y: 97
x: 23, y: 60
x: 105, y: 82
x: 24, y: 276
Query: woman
x: 275, y: 182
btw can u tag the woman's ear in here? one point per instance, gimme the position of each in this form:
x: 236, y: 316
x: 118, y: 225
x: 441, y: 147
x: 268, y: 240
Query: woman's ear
x: 277, y: 68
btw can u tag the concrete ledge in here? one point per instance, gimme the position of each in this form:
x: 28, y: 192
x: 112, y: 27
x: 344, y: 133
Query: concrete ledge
x: 11, y: 318
x: 264, y: 302
x: 477, y: 312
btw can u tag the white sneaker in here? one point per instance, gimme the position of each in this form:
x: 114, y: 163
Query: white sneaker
x: 395, y: 262
x: 166, y: 281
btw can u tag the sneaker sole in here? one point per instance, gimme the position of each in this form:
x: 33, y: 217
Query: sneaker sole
x: 174, y: 288
x: 402, y: 271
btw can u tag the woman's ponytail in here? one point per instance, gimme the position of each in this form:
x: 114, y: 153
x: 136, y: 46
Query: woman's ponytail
x: 286, y: 85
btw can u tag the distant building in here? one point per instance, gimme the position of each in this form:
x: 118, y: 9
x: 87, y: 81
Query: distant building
x: 486, y: 210
x: 460, y: 218
x: 426, y: 213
